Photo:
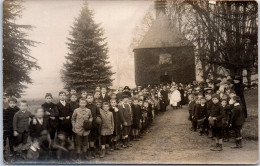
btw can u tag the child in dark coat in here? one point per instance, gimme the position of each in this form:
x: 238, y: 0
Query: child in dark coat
x: 73, y: 102
x: 8, y: 115
x: 226, y: 120
x: 38, y: 124
x: 215, y: 118
x: 136, y: 119
x: 65, y: 113
x: 191, y: 107
x: 117, y: 124
x: 194, y: 120
x: 237, y: 121
x: 94, y: 134
x: 52, y: 114
x: 201, y: 114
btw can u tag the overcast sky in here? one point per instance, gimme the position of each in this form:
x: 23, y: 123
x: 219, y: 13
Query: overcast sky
x: 52, y: 21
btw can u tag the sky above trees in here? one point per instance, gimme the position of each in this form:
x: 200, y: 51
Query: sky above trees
x: 52, y: 21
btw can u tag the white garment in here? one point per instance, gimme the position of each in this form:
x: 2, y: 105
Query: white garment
x: 175, y: 98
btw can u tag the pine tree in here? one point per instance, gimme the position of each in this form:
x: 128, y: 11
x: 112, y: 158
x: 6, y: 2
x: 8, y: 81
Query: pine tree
x: 17, y: 61
x: 86, y: 64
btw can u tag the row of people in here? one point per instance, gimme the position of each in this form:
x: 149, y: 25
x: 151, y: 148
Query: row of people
x: 81, y: 128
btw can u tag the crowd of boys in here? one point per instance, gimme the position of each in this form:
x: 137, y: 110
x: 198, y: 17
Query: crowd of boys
x: 89, y: 125
x: 81, y: 126
x: 215, y: 110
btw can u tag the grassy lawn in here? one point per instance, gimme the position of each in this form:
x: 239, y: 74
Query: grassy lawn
x: 250, y: 128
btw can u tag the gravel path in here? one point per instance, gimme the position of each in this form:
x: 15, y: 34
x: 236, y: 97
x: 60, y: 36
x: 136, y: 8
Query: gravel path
x: 171, y: 142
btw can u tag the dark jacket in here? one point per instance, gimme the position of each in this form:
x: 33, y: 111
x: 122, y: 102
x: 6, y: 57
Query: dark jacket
x: 218, y: 112
x: 165, y: 97
x: 237, y: 118
x: 194, y: 109
x: 8, y: 115
x: 64, y: 111
x: 52, y: 109
x: 118, y: 121
x: 191, y: 106
x: 137, y: 115
x: 106, y: 98
x: 36, y: 129
x: 21, y: 121
x: 73, y: 105
x: 94, y: 110
x: 209, y: 106
x: 126, y: 114
x: 201, y: 112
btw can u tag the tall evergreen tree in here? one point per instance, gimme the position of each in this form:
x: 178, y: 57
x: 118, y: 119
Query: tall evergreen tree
x: 86, y: 63
x: 17, y: 61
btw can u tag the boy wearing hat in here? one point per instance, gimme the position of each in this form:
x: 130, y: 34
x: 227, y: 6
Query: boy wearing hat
x: 8, y: 115
x: 127, y: 118
x: 237, y: 120
x: 52, y: 114
x: 215, y: 118
x: 79, y: 120
x: 191, y: 107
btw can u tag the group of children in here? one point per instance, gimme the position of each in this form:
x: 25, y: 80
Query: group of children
x: 214, y: 112
x: 90, y: 125
x: 79, y: 127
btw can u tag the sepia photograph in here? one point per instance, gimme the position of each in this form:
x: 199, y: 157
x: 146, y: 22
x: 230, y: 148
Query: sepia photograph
x: 130, y: 82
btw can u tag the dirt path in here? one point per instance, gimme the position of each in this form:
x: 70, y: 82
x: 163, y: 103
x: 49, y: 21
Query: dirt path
x: 171, y: 142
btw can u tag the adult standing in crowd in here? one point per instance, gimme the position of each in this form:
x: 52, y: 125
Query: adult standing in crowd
x: 175, y: 97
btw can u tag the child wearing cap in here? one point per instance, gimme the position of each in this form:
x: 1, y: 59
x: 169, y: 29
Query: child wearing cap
x: 191, y: 107
x: 52, y: 114
x: 237, y: 121
x: 80, y: 117
x: 8, y: 115
x: 215, y: 118
x: 209, y: 104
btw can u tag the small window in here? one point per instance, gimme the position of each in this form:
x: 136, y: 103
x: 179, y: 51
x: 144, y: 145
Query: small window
x: 165, y: 59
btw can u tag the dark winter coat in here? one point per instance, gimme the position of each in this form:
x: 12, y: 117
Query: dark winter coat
x: 73, y: 105
x: 8, y: 115
x: 201, y: 112
x: 64, y: 111
x: 52, y: 109
x: 165, y: 97
x: 237, y: 118
x: 36, y: 129
x: 239, y: 89
x: 137, y: 115
x: 106, y: 98
x: 218, y: 112
x: 127, y: 114
x: 118, y: 121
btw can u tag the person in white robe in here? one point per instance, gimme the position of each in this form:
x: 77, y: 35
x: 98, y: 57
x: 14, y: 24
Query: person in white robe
x: 175, y: 97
